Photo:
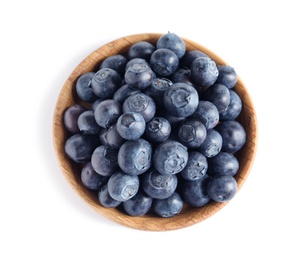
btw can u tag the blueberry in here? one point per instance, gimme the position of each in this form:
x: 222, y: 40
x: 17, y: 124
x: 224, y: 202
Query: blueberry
x: 219, y: 95
x: 172, y: 42
x: 130, y: 125
x: 113, y: 138
x: 156, y: 90
x: 124, y: 92
x: 84, y: 88
x: 212, y: 144
x: 135, y: 156
x: 234, y: 108
x: 87, y: 124
x: 190, y: 56
x: 139, y: 76
x: 142, y: 104
x: 104, y: 160
x: 79, y: 147
x: 164, y: 62
x: 135, y: 61
x: 233, y: 135
x: 115, y: 62
x: 196, y: 167
x: 170, y: 157
x: 158, y: 129
x: 182, y: 75
x: 204, y: 71
x: 208, y: 113
x: 138, y: 205
x: 181, y: 100
x: 169, y: 207
x: 141, y: 49
x: 105, y: 82
x: 195, y: 192
x: 223, y: 164
x: 91, y: 179
x: 192, y: 132
x: 71, y: 115
x: 222, y: 188
x: 227, y: 76
x: 105, y: 199
x: 122, y: 186
x: 107, y: 112
x: 157, y: 185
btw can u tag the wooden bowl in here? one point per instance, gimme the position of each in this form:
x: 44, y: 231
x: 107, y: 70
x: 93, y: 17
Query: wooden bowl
x: 189, y: 215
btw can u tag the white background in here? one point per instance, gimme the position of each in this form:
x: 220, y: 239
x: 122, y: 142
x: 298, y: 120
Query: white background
x: 43, y: 41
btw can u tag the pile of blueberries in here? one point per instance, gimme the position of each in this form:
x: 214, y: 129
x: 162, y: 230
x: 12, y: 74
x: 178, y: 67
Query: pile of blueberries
x: 159, y: 129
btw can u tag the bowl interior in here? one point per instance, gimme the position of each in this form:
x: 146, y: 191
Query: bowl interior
x: 189, y: 215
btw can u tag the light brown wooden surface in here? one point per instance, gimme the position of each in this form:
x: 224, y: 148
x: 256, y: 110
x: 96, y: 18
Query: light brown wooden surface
x: 189, y: 216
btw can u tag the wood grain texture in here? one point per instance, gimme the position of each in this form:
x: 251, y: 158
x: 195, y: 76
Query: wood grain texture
x: 189, y: 215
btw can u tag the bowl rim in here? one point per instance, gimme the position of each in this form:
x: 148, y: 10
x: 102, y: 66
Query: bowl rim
x: 189, y: 216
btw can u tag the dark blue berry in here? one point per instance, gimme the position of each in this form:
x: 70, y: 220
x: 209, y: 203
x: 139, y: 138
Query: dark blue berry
x: 91, y: 179
x: 212, y: 144
x: 170, y: 157
x: 141, y: 49
x: 138, y: 205
x: 234, y: 108
x: 172, y: 42
x: 233, y: 135
x: 135, y: 156
x: 222, y: 188
x: 181, y: 100
x: 84, y: 88
x: 223, y: 164
x: 116, y: 62
x: 164, y: 62
x: 204, y: 71
x: 130, y: 125
x: 168, y: 207
x: 208, y: 113
x: 105, y: 199
x: 219, y: 95
x: 71, y: 115
x: 107, y: 112
x: 139, y: 76
x: 87, y: 124
x: 122, y: 186
x: 158, y: 129
x: 227, y: 76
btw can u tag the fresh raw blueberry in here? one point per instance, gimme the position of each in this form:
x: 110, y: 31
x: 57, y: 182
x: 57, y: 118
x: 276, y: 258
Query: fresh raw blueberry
x: 212, y: 144
x: 141, y: 49
x: 196, y: 167
x: 104, y: 160
x: 134, y: 156
x: 138, y: 205
x: 139, y: 76
x: 190, y: 56
x: 130, y: 125
x: 192, y: 133
x: 136, y: 61
x: 91, y: 179
x: 87, y: 124
x: 124, y: 92
x: 204, y: 71
x: 157, y: 185
x: 115, y: 62
x: 170, y: 157
x: 219, y: 95
x: 113, y: 138
x: 71, y: 115
x: 158, y: 129
x: 172, y: 42
x: 102, y: 136
x: 222, y: 188
x: 96, y: 103
x: 156, y: 90
x: 105, y: 199
x: 122, y: 186
x: 181, y: 100
x: 195, y: 192
x: 208, y: 113
x: 79, y: 147
x: 182, y: 75
x: 234, y: 108
x: 84, y: 89
x: 223, y: 164
x: 233, y: 135
x: 227, y: 76
x: 142, y: 104
x: 105, y: 82
x: 169, y: 207
x: 164, y: 62
x: 173, y: 120
x: 107, y: 112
